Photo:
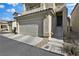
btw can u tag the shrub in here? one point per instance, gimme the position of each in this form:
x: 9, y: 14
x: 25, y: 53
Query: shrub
x: 71, y: 49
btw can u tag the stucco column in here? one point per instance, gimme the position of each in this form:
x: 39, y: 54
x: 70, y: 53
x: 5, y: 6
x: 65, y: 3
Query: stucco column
x: 43, y: 5
x: 49, y: 26
x: 54, y: 7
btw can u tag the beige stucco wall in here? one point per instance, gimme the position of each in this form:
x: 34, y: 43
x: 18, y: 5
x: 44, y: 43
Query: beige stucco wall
x: 49, y: 5
x: 47, y: 25
x: 13, y: 24
x: 60, y: 7
x: 75, y: 19
x: 53, y: 24
x: 55, y: 6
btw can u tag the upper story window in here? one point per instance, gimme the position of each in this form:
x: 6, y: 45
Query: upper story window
x: 30, y: 6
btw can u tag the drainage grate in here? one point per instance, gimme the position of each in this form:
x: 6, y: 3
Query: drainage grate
x: 46, y: 47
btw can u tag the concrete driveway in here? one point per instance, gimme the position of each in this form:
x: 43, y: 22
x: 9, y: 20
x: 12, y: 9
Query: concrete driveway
x: 10, y: 47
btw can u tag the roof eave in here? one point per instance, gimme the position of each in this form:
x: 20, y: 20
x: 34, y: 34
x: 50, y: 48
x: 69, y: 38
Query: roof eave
x: 50, y: 9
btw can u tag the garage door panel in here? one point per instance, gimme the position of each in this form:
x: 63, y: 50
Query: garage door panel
x: 32, y: 27
x: 29, y: 30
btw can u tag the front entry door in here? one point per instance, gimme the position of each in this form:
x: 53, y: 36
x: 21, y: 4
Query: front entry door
x: 59, y: 19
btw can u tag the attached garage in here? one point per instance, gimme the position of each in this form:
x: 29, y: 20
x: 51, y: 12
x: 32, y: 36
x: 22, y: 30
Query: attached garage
x: 35, y: 24
x: 32, y: 26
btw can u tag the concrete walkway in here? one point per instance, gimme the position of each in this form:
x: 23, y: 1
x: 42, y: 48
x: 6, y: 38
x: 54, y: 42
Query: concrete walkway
x: 10, y: 47
x: 59, y: 33
x: 55, y: 45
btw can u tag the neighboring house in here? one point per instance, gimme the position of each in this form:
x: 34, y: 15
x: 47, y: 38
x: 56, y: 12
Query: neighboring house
x: 75, y: 18
x: 11, y: 24
x: 4, y: 26
x: 43, y: 20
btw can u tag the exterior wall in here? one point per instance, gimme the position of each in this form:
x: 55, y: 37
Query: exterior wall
x: 59, y: 6
x: 44, y: 6
x: 18, y: 25
x: 10, y: 26
x: 13, y: 24
x: 53, y: 24
x: 45, y: 26
x: 55, y: 6
x: 65, y: 20
x: 49, y: 5
x: 75, y: 19
x: 68, y: 25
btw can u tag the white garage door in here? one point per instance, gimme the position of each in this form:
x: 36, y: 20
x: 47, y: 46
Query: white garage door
x: 32, y: 27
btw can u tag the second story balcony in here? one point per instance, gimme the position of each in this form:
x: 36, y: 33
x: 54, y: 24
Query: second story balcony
x: 35, y: 7
x: 32, y: 7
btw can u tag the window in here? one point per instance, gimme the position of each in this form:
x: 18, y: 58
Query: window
x: 3, y: 26
x: 31, y: 6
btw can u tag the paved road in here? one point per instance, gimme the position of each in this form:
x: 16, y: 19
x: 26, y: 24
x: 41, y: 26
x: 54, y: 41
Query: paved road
x: 10, y: 47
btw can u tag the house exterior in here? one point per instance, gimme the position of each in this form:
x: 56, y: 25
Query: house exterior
x: 4, y: 26
x: 11, y: 25
x: 43, y: 20
x: 75, y: 18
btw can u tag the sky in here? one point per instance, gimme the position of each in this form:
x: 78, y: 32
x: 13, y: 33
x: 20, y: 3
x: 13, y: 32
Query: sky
x: 70, y: 7
x: 7, y: 9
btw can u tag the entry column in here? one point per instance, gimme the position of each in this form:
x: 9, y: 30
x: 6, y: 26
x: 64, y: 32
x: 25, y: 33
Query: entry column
x: 47, y: 24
